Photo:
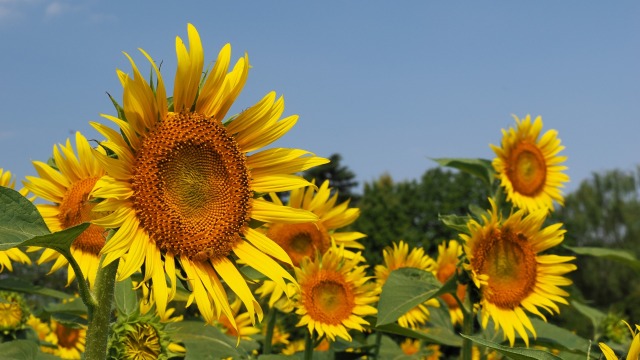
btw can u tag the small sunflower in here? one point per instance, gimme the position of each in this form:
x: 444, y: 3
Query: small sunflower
x: 334, y: 294
x: 13, y: 254
x: 446, y: 265
x: 634, y: 347
x: 141, y: 337
x: 68, y: 186
x: 183, y: 188
x: 506, y: 264
x: 529, y: 165
x: 306, y: 239
x: 69, y: 341
x: 243, y: 328
x: 398, y: 257
x: 14, y: 312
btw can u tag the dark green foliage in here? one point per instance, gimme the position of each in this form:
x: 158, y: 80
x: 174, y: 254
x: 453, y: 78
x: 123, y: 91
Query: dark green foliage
x: 409, y: 210
x: 341, y: 178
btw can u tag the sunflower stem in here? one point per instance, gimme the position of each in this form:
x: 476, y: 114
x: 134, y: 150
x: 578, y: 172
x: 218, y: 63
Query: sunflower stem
x: 271, y: 323
x: 467, y: 324
x: 308, y: 346
x: 83, y: 286
x: 99, y: 324
x: 376, y: 349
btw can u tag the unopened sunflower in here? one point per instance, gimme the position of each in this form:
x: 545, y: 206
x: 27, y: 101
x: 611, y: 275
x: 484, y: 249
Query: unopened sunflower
x: 182, y: 187
x: 68, y: 186
x: 14, y: 312
x: 529, y: 166
x: 446, y: 265
x: 335, y: 294
x: 13, y: 254
x: 398, y: 257
x: 506, y: 263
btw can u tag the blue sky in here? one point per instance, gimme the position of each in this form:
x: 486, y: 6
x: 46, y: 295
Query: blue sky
x: 387, y: 85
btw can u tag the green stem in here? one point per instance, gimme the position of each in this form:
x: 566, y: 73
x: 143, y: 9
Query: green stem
x: 308, y: 346
x: 376, y: 349
x: 271, y: 324
x: 99, y: 324
x: 83, y: 286
x: 467, y: 324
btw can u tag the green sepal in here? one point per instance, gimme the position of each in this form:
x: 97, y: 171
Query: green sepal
x: 481, y: 168
x: 456, y: 222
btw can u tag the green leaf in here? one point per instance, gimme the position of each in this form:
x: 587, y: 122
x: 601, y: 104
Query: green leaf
x: 456, y: 222
x: 19, y: 219
x: 433, y: 335
x: 404, y: 289
x: 481, y: 168
x: 126, y: 297
x: 621, y: 256
x: 596, y: 316
x: 59, y: 241
x: 208, y: 342
x: 19, y: 350
x: 17, y: 285
x: 513, y: 353
x: 554, y: 335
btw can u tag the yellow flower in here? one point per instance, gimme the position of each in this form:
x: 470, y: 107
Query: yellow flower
x: 400, y: 257
x: 634, y: 348
x: 529, y: 166
x: 334, y: 295
x: 506, y: 264
x: 14, y: 312
x: 308, y: 239
x: 244, y: 327
x: 13, y: 254
x: 446, y: 265
x: 181, y: 189
x: 68, y: 187
x: 69, y: 341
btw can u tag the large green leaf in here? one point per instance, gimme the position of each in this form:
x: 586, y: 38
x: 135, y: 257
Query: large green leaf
x: 17, y: 285
x: 514, y: 353
x: 481, y: 168
x: 551, y: 334
x: 404, y: 289
x: 208, y: 342
x: 596, y: 316
x: 19, y: 219
x: 126, y: 297
x: 621, y: 256
x: 23, y: 350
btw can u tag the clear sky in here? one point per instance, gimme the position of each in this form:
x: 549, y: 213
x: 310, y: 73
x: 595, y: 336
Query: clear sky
x: 387, y: 85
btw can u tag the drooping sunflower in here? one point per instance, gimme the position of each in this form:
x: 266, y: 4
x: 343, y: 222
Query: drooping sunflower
x: 446, y: 265
x: 506, y: 265
x: 335, y: 294
x: 529, y: 166
x: 398, y: 257
x: 13, y: 254
x: 68, y: 186
x: 69, y: 341
x: 182, y: 187
x: 306, y: 239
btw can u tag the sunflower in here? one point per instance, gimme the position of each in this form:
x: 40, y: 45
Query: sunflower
x: 13, y: 254
x: 182, y: 188
x: 14, y: 312
x: 68, y: 186
x: 529, y: 166
x: 334, y: 294
x: 446, y: 265
x: 504, y: 262
x: 306, y: 239
x: 244, y: 327
x: 400, y: 257
x: 634, y: 347
x: 69, y: 341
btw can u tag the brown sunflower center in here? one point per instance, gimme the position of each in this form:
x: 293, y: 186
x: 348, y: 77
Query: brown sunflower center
x: 328, y: 298
x: 75, y: 209
x: 510, y: 262
x: 527, y: 169
x: 443, y: 274
x: 68, y: 337
x: 191, y: 187
x: 300, y: 240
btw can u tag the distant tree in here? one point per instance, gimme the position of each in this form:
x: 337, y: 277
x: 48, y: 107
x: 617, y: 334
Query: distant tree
x: 340, y: 177
x: 409, y: 210
x: 605, y: 212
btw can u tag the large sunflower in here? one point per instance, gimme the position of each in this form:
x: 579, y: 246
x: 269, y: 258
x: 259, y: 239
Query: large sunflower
x: 334, y: 295
x: 68, y: 186
x: 506, y: 264
x: 13, y: 254
x: 306, y: 239
x: 529, y: 166
x: 398, y: 257
x: 446, y: 265
x: 182, y: 187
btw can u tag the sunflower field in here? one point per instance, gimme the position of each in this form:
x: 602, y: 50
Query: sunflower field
x: 183, y: 234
